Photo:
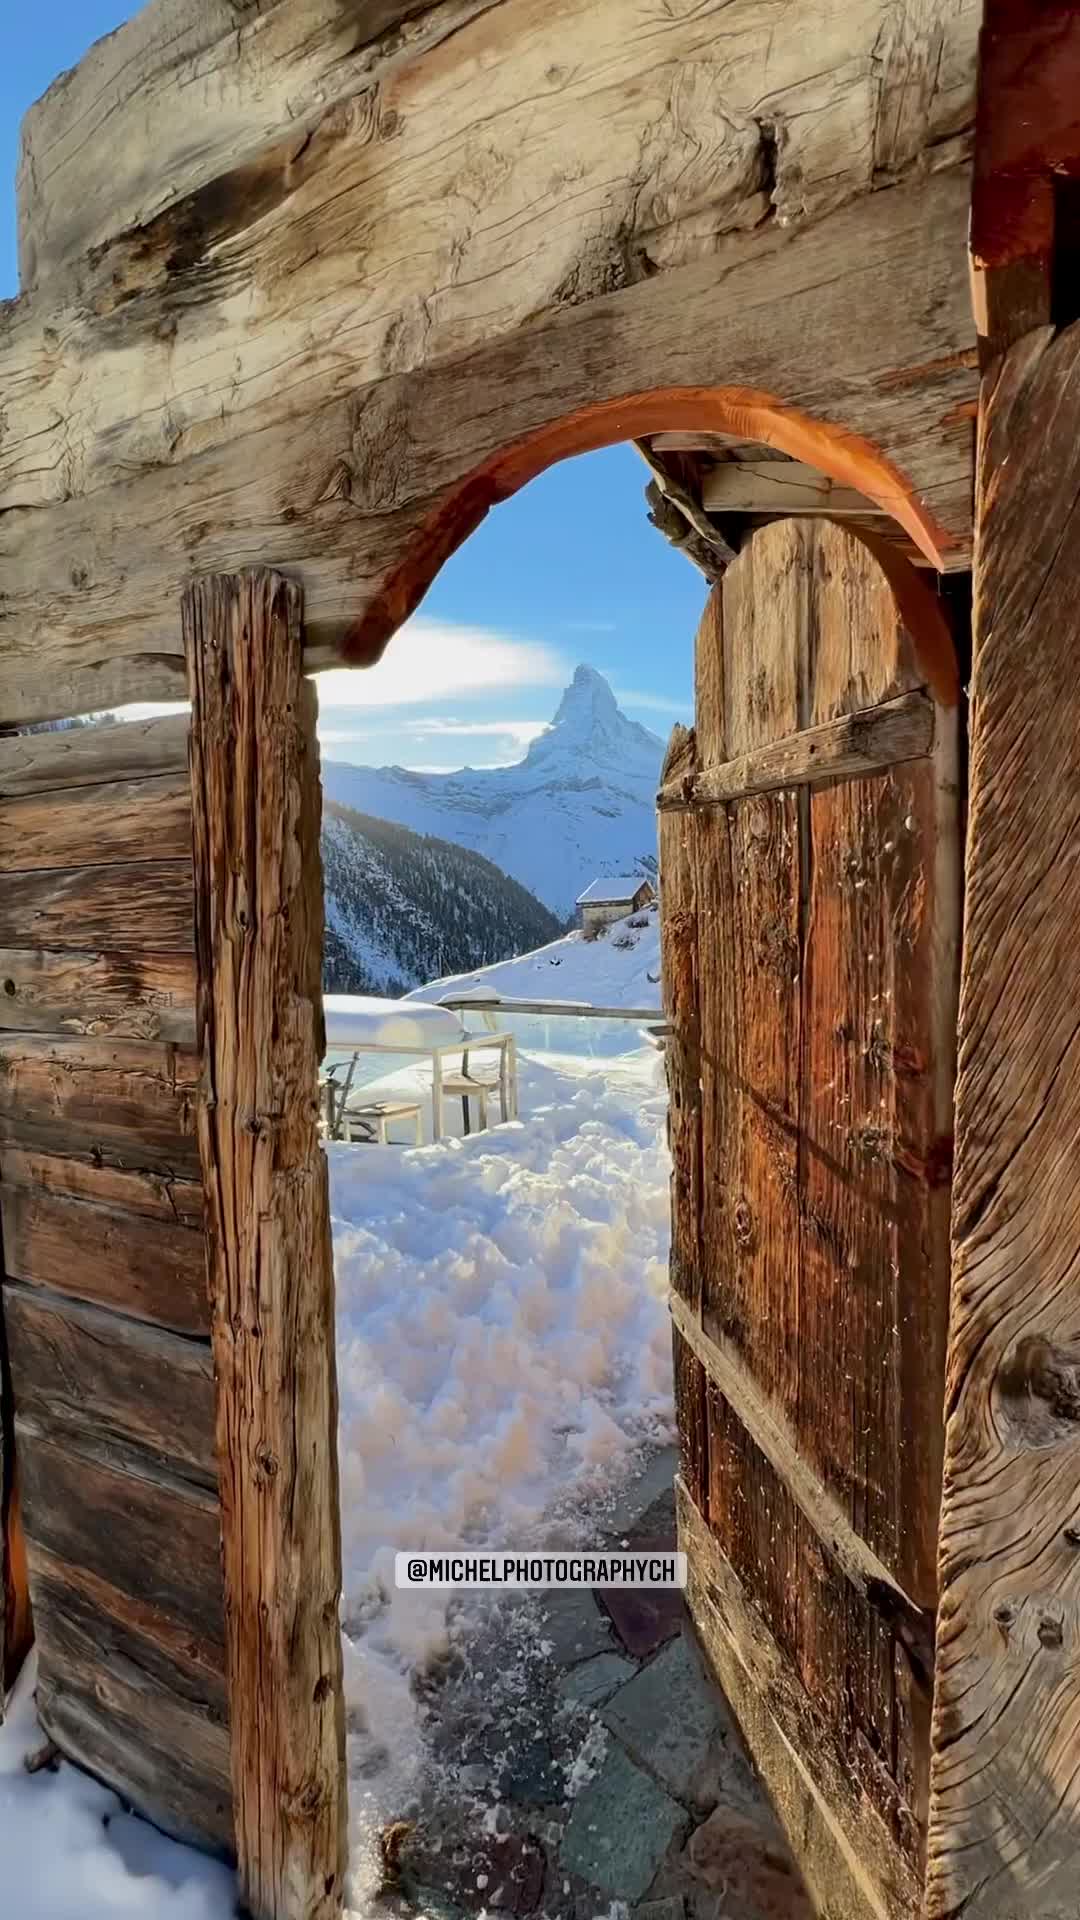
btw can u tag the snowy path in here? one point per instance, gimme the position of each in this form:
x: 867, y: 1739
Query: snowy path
x: 504, y: 1359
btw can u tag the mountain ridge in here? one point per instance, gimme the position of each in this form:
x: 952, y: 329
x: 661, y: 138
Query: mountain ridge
x: 579, y: 806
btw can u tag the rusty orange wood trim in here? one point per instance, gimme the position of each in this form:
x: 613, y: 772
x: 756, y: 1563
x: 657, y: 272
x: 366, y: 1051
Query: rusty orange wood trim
x: 847, y: 458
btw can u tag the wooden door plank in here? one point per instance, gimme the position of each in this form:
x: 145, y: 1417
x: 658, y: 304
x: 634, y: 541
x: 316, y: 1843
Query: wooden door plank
x: 845, y: 1848
x: 255, y: 793
x: 143, y: 907
x: 151, y: 1269
x: 133, y: 996
x: 1005, y: 1806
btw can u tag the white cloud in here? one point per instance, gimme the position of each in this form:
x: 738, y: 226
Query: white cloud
x: 441, y: 660
x: 522, y: 732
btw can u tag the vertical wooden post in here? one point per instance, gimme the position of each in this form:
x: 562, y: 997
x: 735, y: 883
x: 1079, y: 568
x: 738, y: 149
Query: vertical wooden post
x: 258, y: 932
x: 16, y: 1620
x: 1005, y: 1784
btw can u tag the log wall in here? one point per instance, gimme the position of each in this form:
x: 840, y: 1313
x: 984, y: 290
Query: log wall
x: 104, y: 1296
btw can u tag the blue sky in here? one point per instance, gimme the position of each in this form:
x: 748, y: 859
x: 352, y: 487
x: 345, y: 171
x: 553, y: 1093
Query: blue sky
x: 568, y: 570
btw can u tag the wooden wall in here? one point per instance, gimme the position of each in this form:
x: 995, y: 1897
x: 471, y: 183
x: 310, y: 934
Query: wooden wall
x: 104, y: 1294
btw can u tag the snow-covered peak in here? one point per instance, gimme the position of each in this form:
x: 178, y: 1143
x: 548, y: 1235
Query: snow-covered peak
x: 591, y: 733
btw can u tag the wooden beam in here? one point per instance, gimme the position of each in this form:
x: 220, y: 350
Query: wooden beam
x: 844, y: 749
x: 346, y: 249
x: 778, y: 486
x: 126, y: 1104
x: 85, y: 1369
x: 850, y: 1860
x: 258, y: 916
x: 363, y: 496
x: 1005, y: 1807
x: 87, y: 756
x: 103, y: 825
x: 143, y: 907
x: 211, y: 81
x: 132, y: 996
x: 1024, y: 239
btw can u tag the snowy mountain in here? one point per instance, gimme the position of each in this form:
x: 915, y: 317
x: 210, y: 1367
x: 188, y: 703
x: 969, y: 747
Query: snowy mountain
x: 619, y: 967
x: 579, y: 807
x: 402, y: 906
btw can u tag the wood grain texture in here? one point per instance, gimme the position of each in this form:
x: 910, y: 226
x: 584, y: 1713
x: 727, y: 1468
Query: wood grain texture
x: 843, y: 1847
x: 856, y: 744
x: 119, y: 820
x: 255, y: 793
x: 364, y: 493
x: 122, y: 996
x: 155, y: 110
x: 152, y: 1269
x: 155, y: 1195
x: 86, y: 756
x: 125, y: 1721
x: 16, y: 1618
x: 420, y: 181
x: 85, y: 1370
x: 832, y: 919
x: 127, y: 1104
x: 130, y: 1637
x: 105, y: 1513
x: 1005, y: 1817
x: 824, y: 957
x: 144, y: 906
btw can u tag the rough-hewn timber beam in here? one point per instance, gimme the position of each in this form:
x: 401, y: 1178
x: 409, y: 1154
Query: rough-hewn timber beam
x: 167, y: 102
x: 363, y: 496
x: 258, y: 894
x: 1005, y: 1805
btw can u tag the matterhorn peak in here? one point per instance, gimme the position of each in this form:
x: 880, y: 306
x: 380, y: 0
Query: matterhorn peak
x: 588, y: 700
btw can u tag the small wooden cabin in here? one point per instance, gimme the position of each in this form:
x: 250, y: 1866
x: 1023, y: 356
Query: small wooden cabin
x: 307, y: 289
x: 605, y: 901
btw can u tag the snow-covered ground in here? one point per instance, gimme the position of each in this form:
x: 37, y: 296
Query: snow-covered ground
x: 618, y: 968
x: 503, y: 1362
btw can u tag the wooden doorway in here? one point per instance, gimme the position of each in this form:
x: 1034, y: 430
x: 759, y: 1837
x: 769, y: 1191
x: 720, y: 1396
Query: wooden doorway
x: 811, y: 891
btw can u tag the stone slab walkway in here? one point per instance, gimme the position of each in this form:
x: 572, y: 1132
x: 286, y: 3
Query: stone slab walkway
x: 587, y: 1767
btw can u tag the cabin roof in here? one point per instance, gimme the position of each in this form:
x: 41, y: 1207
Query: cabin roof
x: 611, y: 893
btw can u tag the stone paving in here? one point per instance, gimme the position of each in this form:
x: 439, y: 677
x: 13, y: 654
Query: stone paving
x: 586, y: 1766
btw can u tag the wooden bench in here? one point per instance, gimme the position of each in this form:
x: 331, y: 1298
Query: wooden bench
x: 369, y: 1122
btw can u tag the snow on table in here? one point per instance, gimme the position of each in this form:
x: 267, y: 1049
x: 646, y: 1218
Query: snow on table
x: 391, y: 1026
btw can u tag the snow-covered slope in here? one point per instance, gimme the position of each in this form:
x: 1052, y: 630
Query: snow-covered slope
x: 580, y: 806
x: 619, y: 968
x: 401, y: 906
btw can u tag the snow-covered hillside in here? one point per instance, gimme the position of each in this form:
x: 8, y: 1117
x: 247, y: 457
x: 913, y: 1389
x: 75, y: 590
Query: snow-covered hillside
x: 578, y: 807
x: 619, y: 968
x: 402, y: 906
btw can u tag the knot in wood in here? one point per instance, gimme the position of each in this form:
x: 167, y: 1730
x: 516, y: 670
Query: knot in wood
x: 743, y: 1222
x: 1051, y: 1630
x: 1039, y: 1391
x: 267, y: 1461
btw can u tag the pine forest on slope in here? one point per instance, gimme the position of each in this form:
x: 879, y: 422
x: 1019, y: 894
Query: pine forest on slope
x: 403, y: 907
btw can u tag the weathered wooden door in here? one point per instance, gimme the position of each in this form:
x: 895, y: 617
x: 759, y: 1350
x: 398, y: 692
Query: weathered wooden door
x: 810, y: 880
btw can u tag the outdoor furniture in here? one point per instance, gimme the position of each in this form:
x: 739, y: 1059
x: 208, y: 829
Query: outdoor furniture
x: 467, y: 1086
x: 361, y: 1023
x: 368, y: 1123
